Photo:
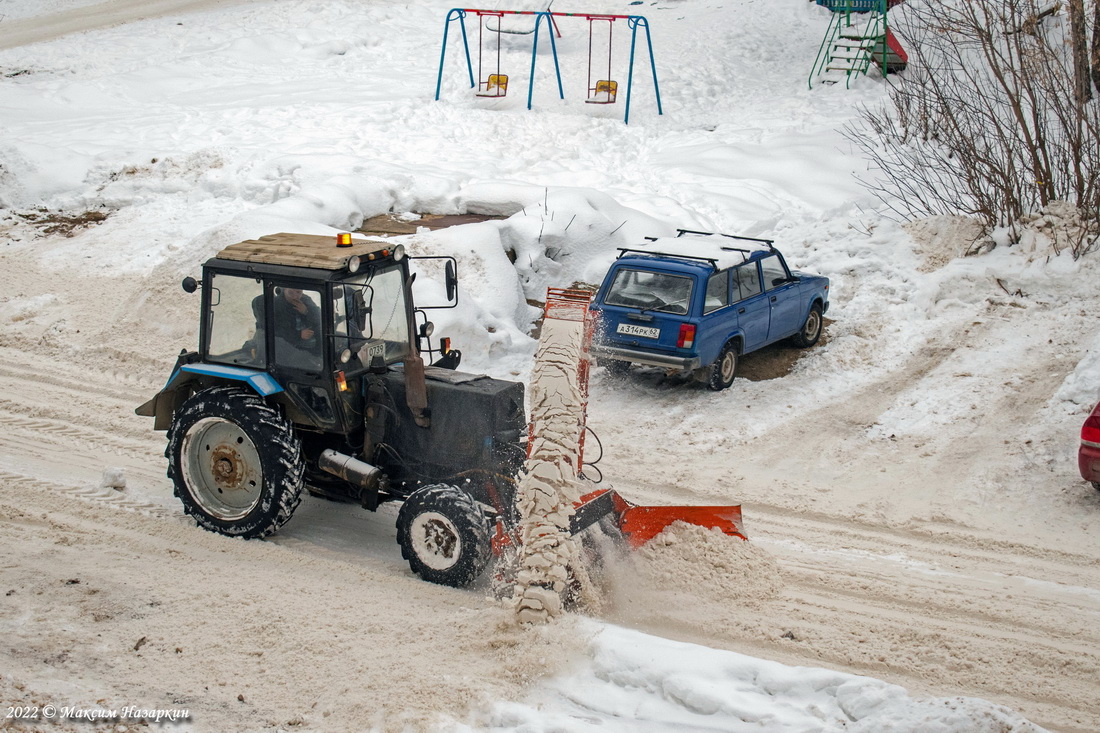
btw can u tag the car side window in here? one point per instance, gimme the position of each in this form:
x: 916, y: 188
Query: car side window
x: 718, y: 292
x: 746, y: 281
x: 775, y: 273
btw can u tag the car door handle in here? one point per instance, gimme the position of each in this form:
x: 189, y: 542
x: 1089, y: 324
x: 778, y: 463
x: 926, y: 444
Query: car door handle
x: 774, y: 298
x: 740, y: 310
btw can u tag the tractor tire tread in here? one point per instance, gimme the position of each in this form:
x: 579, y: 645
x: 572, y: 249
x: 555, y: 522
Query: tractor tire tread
x: 279, y: 446
x: 470, y: 520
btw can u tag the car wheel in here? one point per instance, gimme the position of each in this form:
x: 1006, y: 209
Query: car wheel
x: 444, y: 535
x: 724, y: 368
x: 811, y: 329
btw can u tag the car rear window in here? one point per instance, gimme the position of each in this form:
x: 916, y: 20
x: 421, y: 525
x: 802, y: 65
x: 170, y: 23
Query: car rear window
x: 649, y: 290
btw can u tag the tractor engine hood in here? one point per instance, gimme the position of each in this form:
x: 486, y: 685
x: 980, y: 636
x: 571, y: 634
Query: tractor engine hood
x: 476, y: 423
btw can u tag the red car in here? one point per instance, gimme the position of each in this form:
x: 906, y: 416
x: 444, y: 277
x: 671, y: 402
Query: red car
x: 1088, y: 457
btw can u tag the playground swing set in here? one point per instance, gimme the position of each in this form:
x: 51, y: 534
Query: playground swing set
x: 492, y: 82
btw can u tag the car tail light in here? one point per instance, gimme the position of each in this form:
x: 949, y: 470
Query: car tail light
x: 1090, y: 431
x: 687, y: 336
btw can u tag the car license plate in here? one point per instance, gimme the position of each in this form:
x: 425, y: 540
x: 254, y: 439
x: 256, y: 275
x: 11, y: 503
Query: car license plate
x: 629, y: 329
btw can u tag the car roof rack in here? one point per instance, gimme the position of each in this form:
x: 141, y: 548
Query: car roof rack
x: 682, y: 232
x: 625, y: 250
x: 712, y: 260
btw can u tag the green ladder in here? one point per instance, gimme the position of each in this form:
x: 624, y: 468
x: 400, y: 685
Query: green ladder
x: 852, y: 43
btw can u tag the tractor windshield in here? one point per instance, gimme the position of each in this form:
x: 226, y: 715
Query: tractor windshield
x: 370, y: 314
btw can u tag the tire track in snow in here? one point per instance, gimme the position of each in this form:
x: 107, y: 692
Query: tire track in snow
x: 115, y: 382
x: 99, y: 495
x: 887, y: 571
x: 1024, y: 640
x: 36, y: 430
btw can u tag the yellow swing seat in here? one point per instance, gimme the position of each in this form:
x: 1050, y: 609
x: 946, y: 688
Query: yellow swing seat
x: 604, y: 93
x: 495, y: 86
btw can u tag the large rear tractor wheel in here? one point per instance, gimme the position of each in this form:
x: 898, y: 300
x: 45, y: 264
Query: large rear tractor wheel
x: 444, y: 535
x: 235, y: 462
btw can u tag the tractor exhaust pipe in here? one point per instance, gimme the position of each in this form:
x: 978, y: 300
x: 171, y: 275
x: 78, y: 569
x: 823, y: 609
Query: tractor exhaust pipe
x: 352, y: 470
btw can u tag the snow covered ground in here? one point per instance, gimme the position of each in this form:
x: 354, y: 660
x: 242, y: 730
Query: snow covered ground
x: 924, y: 555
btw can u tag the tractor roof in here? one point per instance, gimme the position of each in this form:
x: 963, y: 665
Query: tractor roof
x: 304, y: 250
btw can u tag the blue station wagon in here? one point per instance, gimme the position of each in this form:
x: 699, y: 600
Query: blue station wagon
x: 698, y: 301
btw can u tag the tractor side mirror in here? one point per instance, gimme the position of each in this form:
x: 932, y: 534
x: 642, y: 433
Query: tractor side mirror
x: 190, y: 284
x: 451, y: 280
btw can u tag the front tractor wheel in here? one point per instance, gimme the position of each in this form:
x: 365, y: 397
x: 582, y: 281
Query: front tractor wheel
x: 444, y: 535
x: 235, y: 462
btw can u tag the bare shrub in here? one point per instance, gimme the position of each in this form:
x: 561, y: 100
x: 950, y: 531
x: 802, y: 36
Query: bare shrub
x: 992, y: 118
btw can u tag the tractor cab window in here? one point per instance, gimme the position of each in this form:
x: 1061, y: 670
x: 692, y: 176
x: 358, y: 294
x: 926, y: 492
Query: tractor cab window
x: 371, y: 318
x: 296, y: 321
x: 236, y: 307
x: 349, y: 314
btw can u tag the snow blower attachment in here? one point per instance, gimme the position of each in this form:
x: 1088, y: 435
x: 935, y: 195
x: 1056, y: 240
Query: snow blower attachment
x: 551, y: 511
x: 637, y: 524
x: 312, y: 372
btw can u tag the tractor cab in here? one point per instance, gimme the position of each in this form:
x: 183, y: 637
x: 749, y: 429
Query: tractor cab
x: 315, y: 315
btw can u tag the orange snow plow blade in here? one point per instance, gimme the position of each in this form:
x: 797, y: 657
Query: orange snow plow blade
x: 640, y: 524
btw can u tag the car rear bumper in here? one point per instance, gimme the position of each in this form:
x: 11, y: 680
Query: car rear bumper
x: 646, y: 357
x: 1088, y: 459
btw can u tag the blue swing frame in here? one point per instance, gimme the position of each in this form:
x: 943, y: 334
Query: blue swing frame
x: 633, y: 22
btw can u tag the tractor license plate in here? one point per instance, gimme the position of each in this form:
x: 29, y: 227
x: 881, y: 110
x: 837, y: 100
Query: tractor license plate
x: 373, y: 350
x: 629, y: 329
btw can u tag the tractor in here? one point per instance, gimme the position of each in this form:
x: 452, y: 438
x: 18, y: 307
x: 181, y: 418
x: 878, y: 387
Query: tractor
x: 310, y: 374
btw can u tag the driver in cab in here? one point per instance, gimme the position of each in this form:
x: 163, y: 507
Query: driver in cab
x: 297, y: 321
